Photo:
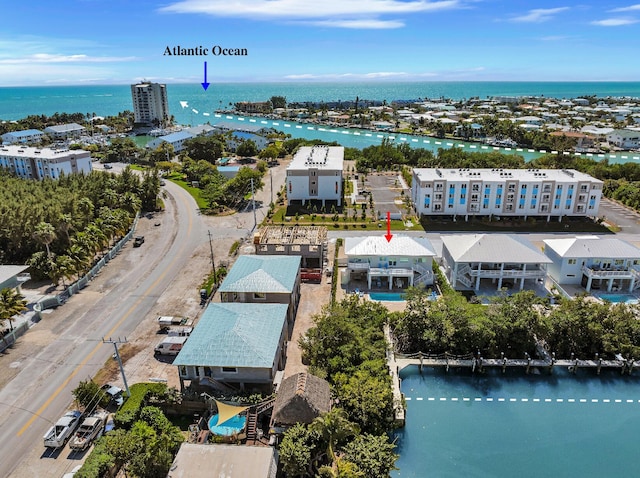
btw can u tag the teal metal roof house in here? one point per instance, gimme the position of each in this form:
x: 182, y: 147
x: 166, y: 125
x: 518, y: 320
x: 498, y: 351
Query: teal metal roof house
x: 242, y: 345
x: 270, y: 279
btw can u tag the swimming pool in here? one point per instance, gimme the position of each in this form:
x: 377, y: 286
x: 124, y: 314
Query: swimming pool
x: 619, y: 298
x: 233, y: 425
x: 387, y: 296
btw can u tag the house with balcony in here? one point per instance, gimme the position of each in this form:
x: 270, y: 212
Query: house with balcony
x: 235, y: 345
x: 23, y: 137
x: 399, y: 263
x: 491, y: 260
x: 595, y: 263
x: 265, y: 279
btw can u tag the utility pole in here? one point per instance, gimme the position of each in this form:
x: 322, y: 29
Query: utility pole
x: 213, y: 264
x: 253, y: 201
x: 271, y: 179
x: 115, y: 346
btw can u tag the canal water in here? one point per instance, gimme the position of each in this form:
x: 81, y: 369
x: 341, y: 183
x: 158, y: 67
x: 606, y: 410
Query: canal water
x: 362, y: 138
x: 517, y: 425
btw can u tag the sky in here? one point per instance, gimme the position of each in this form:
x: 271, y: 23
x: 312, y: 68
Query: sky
x: 44, y: 42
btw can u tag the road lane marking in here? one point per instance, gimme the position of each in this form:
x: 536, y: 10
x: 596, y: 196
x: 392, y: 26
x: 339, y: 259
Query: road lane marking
x: 75, y: 371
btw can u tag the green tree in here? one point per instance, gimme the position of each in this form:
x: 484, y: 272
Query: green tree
x: 373, y: 454
x: 247, y: 148
x: 205, y: 148
x: 45, y: 233
x: 334, y: 428
x: 12, y: 303
x: 88, y: 394
x: 296, y: 450
x: 278, y: 102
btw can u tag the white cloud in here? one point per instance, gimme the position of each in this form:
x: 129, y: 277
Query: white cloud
x: 614, y: 22
x: 539, y: 15
x: 360, y: 24
x: 49, y: 58
x: 360, y: 14
x: 630, y: 8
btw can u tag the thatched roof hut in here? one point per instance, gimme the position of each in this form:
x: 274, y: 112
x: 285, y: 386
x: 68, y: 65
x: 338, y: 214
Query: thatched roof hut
x: 300, y: 399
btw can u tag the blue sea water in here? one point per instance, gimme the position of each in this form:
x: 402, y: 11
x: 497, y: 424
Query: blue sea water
x: 18, y: 102
x: 517, y: 425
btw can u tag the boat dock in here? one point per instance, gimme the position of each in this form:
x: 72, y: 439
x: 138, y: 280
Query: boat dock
x: 478, y: 364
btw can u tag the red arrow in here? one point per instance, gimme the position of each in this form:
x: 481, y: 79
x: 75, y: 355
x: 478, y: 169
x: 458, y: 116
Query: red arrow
x: 388, y: 236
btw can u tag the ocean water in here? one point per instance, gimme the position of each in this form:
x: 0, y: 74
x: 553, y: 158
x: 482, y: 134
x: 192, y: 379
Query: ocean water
x: 517, y: 425
x: 18, y: 102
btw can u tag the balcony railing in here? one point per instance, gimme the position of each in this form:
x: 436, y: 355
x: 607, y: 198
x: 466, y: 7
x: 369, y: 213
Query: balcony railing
x: 529, y: 273
x: 610, y: 273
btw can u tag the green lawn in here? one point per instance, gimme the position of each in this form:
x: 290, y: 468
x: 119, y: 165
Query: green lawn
x: 195, y: 192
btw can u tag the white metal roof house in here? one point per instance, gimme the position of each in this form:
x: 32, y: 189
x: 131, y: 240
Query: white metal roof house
x: 402, y: 262
x: 500, y: 258
x: 624, y: 138
x: 594, y: 262
x: 241, y: 345
x: 63, y: 131
x: 315, y: 173
x: 174, y: 139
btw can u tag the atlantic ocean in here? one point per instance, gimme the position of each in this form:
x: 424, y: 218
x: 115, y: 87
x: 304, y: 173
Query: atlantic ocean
x: 107, y: 100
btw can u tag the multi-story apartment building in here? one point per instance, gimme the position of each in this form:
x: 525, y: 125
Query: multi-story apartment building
x: 23, y: 137
x: 551, y: 193
x: 315, y: 173
x: 150, y: 105
x: 64, y: 131
x: 40, y: 163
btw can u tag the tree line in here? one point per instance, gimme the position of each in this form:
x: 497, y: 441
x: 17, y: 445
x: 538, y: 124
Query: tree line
x: 58, y: 226
x: 347, y: 348
x: 515, y: 325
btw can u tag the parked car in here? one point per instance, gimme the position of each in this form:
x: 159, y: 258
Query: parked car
x: 114, y: 394
x: 59, y: 433
x: 90, y: 429
x: 137, y: 242
x: 108, y: 166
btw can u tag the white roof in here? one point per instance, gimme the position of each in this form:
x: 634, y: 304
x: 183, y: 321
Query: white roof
x: 320, y: 157
x: 500, y: 175
x: 398, y: 246
x: 593, y: 247
x: 8, y: 272
x: 45, y: 153
x: 493, y: 248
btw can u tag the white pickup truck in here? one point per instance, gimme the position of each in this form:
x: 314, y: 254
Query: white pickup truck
x: 59, y: 433
x: 91, y: 429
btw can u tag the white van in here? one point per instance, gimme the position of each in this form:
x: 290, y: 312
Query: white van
x: 166, y: 321
x: 170, y: 346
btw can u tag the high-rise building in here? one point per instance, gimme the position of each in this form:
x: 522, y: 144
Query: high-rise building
x: 150, y: 106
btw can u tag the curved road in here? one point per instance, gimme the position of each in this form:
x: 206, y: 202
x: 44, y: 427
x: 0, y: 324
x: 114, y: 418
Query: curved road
x: 41, y: 391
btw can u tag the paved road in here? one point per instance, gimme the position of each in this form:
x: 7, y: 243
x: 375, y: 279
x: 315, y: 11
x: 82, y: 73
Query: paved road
x: 41, y: 392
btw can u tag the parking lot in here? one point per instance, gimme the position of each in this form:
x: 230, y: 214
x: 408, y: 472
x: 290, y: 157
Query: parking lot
x: 386, y: 189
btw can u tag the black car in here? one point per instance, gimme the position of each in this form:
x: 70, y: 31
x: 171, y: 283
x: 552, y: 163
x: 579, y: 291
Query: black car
x: 137, y: 242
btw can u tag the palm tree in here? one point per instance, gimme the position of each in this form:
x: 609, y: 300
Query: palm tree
x: 11, y: 303
x: 46, y: 234
x: 334, y: 427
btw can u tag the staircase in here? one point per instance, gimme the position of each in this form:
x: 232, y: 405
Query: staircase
x: 252, y: 425
x: 636, y: 275
x: 464, y: 275
x: 425, y: 275
x: 217, y: 385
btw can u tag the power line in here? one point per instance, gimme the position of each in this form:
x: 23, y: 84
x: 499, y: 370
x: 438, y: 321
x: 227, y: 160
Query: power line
x: 115, y: 346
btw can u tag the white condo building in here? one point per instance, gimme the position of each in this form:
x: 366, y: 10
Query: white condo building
x: 315, y: 173
x: 23, y: 137
x: 40, y: 163
x: 150, y: 105
x: 505, y: 192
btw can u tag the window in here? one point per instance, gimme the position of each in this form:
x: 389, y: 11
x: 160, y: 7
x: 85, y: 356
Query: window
x: 571, y: 261
x: 229, y: 369
x: 259, y: 296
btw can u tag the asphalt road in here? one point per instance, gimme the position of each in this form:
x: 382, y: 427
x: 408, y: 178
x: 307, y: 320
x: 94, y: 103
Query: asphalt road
x: 41, y: 392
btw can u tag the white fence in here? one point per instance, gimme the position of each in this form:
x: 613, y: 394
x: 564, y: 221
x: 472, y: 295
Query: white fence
x: 56, y: 300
